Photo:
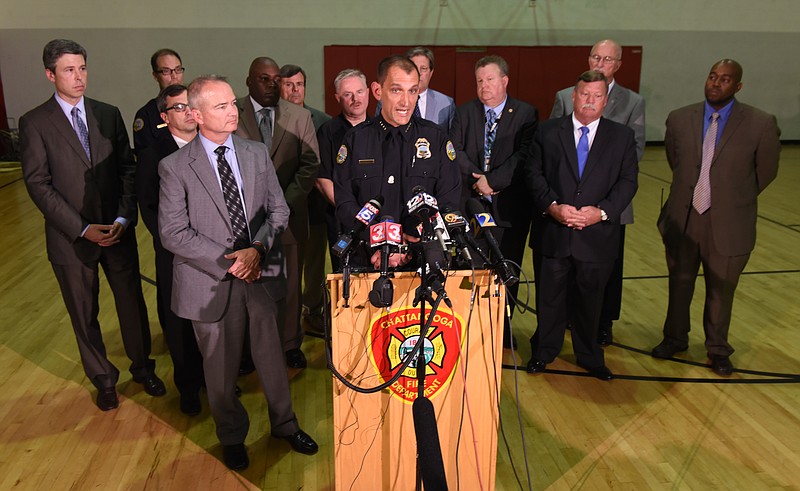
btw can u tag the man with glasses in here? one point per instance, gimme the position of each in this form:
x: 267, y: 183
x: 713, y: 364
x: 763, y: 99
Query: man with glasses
x: 626, y: 107
x: 147, y: 125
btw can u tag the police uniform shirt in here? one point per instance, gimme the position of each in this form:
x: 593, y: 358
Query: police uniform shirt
x: 329, y: 137
x: 148, y: 126
x: 376, y: 159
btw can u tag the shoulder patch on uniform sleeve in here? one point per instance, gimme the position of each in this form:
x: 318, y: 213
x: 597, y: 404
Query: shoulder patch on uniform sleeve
x: 341, y: 156
x: 138, y: 124
x: 451, y: 150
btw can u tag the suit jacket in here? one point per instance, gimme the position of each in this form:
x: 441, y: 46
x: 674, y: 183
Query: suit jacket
x: 195, y: 225
x: 625, y: 107
x: 745, y: 162
x: 294, y: 153
x: 318, y: 118
x: 147, y: 181
x: 609, y: 181
x: 515, y: 130
x: 71, y: 190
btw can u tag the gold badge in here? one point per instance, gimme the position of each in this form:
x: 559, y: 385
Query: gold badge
x: 423, y: 148
x: 342, y: 155
x: 138, y: 124
x: 451, y: 151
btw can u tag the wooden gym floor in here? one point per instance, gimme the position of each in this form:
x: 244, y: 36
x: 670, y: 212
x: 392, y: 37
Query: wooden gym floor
x: 659, y: 425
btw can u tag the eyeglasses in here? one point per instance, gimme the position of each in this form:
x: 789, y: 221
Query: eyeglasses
x: 604, y: 59
x: 167, y: 71
x: 179, y: 107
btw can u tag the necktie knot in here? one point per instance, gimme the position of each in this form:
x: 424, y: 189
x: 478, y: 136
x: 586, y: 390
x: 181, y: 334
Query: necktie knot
x: 490, y: 117
x: 714, y: 117
x: 220, y: 151
x: 584, y: 130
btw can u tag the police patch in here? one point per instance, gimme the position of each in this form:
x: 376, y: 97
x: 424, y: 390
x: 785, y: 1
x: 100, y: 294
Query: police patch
x: 451, y: 151
x: 138, y: 124
x: 342, y: 155
x: 423, y: 148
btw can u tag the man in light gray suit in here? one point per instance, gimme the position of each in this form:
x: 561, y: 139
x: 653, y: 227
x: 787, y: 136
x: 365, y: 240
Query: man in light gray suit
x: 221, y: 210
x: 626, y: 107
x: 432, y: 105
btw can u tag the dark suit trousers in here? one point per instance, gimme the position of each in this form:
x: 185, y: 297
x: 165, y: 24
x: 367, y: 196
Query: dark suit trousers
x: 80, y: 287
x: 291, y: 333
x: 721, y: 274
x: 221, y: 344
x: 178, y: 333
x: 555, y: 299
x: 314, y: 255
x: 612, y: 297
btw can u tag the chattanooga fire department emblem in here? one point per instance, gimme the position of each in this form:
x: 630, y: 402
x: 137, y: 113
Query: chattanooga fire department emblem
x: 395, y: 334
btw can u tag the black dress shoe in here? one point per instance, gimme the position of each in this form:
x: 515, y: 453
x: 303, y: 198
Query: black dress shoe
x: 296, y: 359
x: 235, y: 457
x: 301, y: 442
x: 667, y: 349
x: 190, y: 403
x: 237, y: 390
x: 246, y: 366
x: 721, y: 365
x: 107, y: 399
x: 604, y: 337
x: 152, y: 385
x: 535, y: 366
x: 602, y: 372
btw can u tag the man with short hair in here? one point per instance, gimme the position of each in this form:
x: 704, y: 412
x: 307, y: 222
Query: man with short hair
x: 288, y: 132
x: 488, y: 133
x: 625, y: 107
x: 352, y: 94
x: 173, y: 103
x: 147, y: 124
x: 221, y: 210
x: 293, y: 89
x: 582, y: 174
x: 723, y: 154
x: 79, y: 171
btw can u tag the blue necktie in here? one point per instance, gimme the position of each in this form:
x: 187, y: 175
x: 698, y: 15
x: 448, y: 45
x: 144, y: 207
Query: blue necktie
x: 80, y: 129
x: 583, y: 150
x: 489, y: 135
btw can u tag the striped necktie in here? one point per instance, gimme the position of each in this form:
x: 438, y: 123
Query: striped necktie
x: 701, y: 200
x: 80, y: 129
x: 230, y: 190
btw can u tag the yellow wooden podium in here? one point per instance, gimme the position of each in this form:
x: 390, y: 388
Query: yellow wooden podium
x: 375, y: 444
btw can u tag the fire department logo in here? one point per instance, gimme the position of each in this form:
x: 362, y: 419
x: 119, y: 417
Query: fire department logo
x: 394, y: 336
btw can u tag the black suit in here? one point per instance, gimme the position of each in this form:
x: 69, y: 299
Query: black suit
x: 609, y: 182
x: 178, y: 332
x: 73, y: 191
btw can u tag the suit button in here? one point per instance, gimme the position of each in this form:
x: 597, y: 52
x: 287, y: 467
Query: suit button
x: 229, y: 240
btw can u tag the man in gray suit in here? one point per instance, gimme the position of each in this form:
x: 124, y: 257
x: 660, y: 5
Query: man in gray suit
x: 625, y: 107
x: 432, y: 105
x: 79, y: 171
x: 221, y: 209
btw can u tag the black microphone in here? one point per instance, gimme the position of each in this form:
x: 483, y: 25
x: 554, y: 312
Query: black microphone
x: 387, y: 235
x: 424, y: 207
x: 457, y: 227
x: 482, y: 221
x: 363, y: 218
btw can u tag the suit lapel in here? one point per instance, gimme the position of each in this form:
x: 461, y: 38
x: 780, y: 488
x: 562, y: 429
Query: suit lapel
x: 613, y: 102
x: 64, y: 127
x: 734, y: 120
x: 598, y: 148
x: 249, y: 120
x: 568, y: 143
x: 247, y: 171
x: 199, y: 163
x: 697, y: 129
x: 281, y: 121
x: 95, y: 136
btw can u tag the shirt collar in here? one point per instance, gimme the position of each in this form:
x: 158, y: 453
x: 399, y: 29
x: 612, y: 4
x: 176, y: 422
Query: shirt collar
x: 724, y: 113
x: 389, y: 129
x: 67, y: 107
x: 210, y: 146
x: 498, y: 109
x: 576, y: 125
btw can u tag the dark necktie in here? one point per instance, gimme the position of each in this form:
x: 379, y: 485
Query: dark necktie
x: 489, y: 135
x: 80, y: 129
x: 265, y: 126
x: 232, y: 200
x: 417, y: 112
x: 583, y: 150
x: 701, y: 200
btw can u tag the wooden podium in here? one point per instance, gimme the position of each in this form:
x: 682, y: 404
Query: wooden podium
x: 375, y: 443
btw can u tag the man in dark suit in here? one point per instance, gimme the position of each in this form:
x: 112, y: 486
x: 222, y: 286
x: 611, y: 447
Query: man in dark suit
x: 487, y: 147
x: 173, y: 104
x: 148, y: 126
x: 723, y: 153
x: 79, y: 171
x: 582, y: 174
x: 625, y: 107
x: 220, y: 212
x: 288, y: 132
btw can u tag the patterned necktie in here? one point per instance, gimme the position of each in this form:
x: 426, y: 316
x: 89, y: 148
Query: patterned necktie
x: 80, y: 129
x: 489, y: 135
x: 232, y: 200
x: 583, y: 150
x: 702, y: 191
x: 265, y: 126
x: 417, y: 112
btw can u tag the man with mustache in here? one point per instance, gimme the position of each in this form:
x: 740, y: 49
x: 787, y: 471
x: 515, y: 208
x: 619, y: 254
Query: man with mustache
x: 581, y: 174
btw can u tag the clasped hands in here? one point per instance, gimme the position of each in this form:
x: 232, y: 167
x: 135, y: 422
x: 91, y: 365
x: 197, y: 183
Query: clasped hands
x: 246, y: 264
x: 104, y: 235
x: 573, y: 217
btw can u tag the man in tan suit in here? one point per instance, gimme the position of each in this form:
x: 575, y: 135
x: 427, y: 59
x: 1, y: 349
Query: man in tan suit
x: 723, y: 153
x: 288, y: 132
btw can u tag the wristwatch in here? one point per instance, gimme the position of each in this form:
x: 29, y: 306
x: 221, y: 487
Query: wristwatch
x: 258, y: 246
x: 603, y: 216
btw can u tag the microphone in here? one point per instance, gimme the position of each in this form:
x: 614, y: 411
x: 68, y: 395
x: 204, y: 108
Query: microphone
x: 423, y: 206
x: 386, y: 235
x: 363, y: 218
x: 440, y: 230
x: 483, y: 221
x: 457, y: 226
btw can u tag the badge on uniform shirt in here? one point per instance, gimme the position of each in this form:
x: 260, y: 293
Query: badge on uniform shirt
x: 451, y: 151
x: 390, y: 180
x: 138, y: 124
x: 423, y: 148
x: 342, y: 155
